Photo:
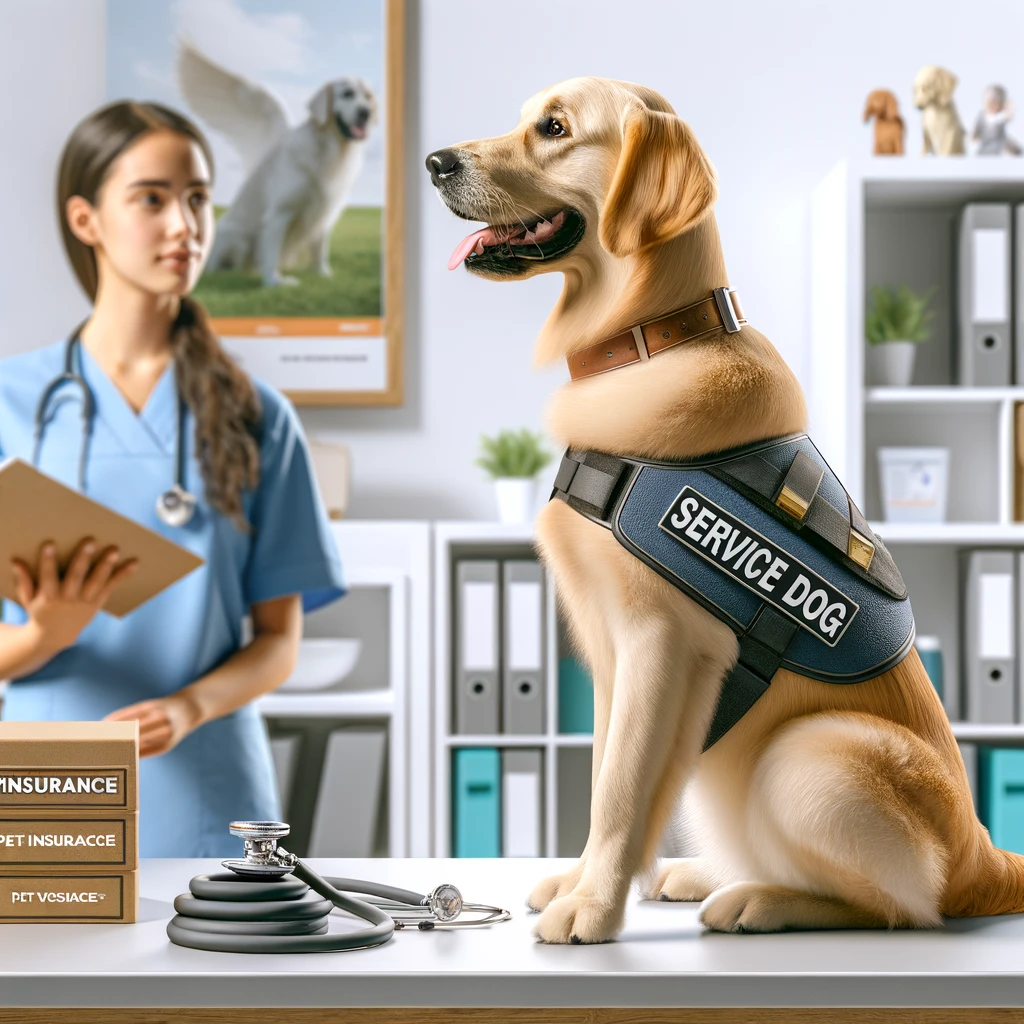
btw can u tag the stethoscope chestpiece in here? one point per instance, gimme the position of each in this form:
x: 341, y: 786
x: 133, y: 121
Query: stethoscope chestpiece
x: 261, y: 853
x: 176, y: 506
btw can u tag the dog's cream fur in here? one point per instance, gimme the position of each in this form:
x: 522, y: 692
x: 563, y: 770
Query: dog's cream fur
x: 826, y: 806
x: 933, y: 95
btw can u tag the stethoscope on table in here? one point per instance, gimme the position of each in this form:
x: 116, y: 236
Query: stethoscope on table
x: 265, y: 905
x: 175, y: 506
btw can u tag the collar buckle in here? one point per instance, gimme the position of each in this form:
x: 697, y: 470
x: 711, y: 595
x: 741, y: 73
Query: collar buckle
x: 723, y: 300
x: 641, y: 345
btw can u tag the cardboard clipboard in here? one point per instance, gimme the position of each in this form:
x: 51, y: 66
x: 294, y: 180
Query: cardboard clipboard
x: 34, y: 508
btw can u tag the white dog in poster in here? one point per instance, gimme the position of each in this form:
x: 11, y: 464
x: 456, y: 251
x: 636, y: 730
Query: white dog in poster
x: 297, y: 178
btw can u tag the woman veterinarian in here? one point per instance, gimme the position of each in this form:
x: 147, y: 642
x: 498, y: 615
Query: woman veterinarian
x: 134, y: 204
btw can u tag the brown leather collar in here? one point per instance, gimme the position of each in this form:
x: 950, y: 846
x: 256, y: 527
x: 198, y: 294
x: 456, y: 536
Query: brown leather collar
x: 640, y: 343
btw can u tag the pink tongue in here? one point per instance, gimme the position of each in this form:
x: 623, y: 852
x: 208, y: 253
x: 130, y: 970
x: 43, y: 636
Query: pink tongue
x: 468, y: 244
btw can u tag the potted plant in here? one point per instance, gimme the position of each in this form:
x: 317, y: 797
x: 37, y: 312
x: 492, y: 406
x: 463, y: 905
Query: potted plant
x: 896, y: 321
x: 513, y: 459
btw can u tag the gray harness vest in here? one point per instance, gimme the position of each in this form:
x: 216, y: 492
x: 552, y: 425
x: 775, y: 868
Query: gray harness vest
x: 766, y: 538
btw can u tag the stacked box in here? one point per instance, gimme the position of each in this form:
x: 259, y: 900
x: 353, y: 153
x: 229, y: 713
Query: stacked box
x: 69, y: 822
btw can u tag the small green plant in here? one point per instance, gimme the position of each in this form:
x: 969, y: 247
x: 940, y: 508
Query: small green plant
x: 898, y: 314
x: 513, y: 453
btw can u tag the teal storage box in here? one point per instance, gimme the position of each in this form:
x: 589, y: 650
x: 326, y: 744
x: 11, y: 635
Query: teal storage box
x: 476, y: 802
x: 1001, y: 784
x: 575, y: 697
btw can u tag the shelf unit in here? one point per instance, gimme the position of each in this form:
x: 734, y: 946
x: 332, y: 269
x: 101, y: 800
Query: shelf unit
x: 890, y: 221
x: 566, y: 760
x: 395, y: 688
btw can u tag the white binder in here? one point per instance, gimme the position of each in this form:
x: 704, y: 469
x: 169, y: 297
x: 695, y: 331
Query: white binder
x: 349, y: 800
x: 522, y: 804
x: 522, y: 680
x: 990, y: 626
x: 477, y: 686
x: 984, y: 283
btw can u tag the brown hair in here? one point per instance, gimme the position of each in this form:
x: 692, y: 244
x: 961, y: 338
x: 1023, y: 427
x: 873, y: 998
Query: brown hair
x: 222, y: 398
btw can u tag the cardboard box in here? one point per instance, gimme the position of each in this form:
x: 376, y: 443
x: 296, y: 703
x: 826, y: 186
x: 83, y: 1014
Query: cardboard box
x: 69, y: 766
x: 49, y: 898
x: 68, y: 842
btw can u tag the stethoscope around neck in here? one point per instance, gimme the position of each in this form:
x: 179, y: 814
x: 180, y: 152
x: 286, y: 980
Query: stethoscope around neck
x: 264, y: 905
x: 176, y: 505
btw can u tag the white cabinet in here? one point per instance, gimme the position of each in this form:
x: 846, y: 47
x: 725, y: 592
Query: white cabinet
x: 890, y: 221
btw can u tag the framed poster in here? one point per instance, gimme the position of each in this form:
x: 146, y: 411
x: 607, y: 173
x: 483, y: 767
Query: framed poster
x: 302, y: 102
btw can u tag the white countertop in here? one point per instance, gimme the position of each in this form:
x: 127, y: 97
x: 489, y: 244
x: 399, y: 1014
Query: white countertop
x: 663, y: 957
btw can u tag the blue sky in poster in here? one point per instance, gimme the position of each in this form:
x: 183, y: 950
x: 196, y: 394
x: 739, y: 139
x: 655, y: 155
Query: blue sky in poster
x: 290, y: 46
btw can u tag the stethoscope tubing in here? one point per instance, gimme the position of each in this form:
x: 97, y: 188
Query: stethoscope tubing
x: 72, y: 374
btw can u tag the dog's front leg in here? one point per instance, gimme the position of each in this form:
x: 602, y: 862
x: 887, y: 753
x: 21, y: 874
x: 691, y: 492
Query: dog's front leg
x: 320, y: 247
x: 655, y: 665
x: 270, y: 245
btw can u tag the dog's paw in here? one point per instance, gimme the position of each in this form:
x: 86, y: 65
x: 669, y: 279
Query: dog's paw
x: 279, y: 279
x: 553, y: 887
x: 579, y: 919
x: 743, y: 907
x: 683, y: 881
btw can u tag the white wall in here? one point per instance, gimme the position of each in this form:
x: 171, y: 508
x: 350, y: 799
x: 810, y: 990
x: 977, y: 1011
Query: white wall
x: 773, y: 89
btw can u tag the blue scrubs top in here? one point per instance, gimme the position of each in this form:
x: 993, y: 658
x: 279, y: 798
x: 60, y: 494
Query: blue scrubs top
x: 223, y: 770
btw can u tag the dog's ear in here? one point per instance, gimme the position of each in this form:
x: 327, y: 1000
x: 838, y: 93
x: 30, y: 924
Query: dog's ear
x: 892, y: 107
x: 320, y: 105
x: 662, y: 186
x: 945, y: 85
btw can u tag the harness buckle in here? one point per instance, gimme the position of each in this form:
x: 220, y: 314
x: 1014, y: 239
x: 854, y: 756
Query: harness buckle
x: 726, y: 310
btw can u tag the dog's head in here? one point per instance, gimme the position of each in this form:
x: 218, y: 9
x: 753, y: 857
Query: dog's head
x: 933, y: 85
x: 347, y: 103
x: 596, y: 169
x: 882, y: 104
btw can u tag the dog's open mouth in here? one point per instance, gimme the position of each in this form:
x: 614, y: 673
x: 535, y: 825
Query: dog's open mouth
x: 502, y: 248
x: 350, y: 131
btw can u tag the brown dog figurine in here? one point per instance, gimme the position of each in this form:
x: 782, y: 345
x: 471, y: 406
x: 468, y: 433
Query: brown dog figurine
x: 883, y: 106
x: 823, y: 806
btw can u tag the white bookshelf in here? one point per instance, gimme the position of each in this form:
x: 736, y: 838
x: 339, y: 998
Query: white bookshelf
x: 387, y: 567
x: 889, y: 221
x: 566, y: 766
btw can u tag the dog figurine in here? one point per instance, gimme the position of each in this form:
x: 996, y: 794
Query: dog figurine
x: 824, y: 806
x: 933, y: 95
x: 297, y: 178
x: 883, y: 106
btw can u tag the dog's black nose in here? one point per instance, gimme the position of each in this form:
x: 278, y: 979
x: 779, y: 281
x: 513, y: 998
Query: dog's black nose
x: 442, y: 163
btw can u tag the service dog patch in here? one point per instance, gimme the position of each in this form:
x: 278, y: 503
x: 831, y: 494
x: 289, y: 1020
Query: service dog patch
x: 753, y: 560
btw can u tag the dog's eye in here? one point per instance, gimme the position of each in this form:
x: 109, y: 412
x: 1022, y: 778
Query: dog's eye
x: 554, y: 127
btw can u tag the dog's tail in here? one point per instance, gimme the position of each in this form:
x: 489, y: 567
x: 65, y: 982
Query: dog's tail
x: 997, y: 886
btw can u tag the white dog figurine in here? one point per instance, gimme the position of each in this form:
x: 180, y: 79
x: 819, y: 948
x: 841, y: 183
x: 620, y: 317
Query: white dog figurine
x: 933, y: 94
x: 297, y: 178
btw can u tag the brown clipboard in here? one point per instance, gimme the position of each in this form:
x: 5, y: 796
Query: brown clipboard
x: 35, y: 508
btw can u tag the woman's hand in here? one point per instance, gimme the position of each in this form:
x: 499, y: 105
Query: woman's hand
x: 59, y: 609
x: 163, y: 722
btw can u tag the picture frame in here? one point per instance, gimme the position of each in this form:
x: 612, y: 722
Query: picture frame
x: 321, y: 317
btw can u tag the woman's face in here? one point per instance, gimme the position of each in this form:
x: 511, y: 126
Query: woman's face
x: 152, y: 224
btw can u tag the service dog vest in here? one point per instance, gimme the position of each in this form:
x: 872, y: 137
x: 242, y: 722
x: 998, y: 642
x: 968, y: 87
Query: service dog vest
x: 766, y: 538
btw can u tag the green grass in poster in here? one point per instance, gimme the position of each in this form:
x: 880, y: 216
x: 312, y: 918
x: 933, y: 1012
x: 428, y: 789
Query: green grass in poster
x: 354, y: 289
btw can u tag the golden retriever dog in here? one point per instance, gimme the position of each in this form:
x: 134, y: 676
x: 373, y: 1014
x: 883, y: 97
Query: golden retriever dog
x: 883, y: 106
x: 825, y: 806
x: 933, y: 94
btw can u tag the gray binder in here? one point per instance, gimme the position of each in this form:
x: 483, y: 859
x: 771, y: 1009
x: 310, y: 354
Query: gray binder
x: 984, y: 283
x: 523, y: 660
x: 522, y: 803
x: 477, y: 626
x: 348, y: 803
x: 989, y: 628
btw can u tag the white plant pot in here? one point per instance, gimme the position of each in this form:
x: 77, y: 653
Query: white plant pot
x: 891, y: 363
x: 515, y: 498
